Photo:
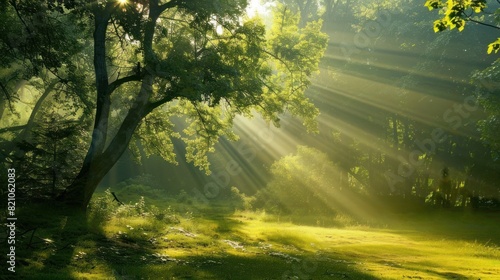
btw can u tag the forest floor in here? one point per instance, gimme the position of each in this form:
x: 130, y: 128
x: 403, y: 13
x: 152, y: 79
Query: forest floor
x: 217, y: 242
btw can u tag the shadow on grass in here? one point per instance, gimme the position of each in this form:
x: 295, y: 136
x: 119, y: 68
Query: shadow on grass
x: 67, y: 250
x: 222, y: 217
x: 45, y: 244
x: 481, y: 227
x: 257, y: 266
x: 63, y: 247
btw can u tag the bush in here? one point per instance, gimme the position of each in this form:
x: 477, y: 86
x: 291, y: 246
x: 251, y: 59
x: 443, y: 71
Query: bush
x: 102, y: 208
x: 183, y: 197
x: 239, y: 200
x: 303, y: 183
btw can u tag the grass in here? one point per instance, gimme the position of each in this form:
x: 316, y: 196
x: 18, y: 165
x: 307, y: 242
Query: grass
x: 219, y: 243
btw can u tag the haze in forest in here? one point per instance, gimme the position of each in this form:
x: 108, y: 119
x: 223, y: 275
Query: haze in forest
x: 260, y: 139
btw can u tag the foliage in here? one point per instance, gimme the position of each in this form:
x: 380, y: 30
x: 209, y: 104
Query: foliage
x: 494, y: 47
x: 153, y: 61
x: 488, y: 88
x: 457, y: 12
x: 47, y: 157
x: 184, y: 197
x: 301, y: 183
x: 454, y: 12
x: 104, y: 207
x: 239, y: 200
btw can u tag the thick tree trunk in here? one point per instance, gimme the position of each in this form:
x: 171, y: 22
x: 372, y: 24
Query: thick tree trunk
x: 103, y: 103
x: 90, y: 173
x: 80, y: 191
x: 100, y: 159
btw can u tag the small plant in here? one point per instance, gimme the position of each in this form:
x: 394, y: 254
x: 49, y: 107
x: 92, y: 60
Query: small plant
x: 101, y: 209
x: 140, y: 207
x: 183, y: 197
x: 165, y: 215
x: 239, y: 201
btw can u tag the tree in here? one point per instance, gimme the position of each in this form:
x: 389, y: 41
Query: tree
x: 457, y: 12
x: 153, y: 60
x: 455, y: 15
x: 487, y: 93
x: 45, y: 159
x: 483, y: 156
x: 301, y: 183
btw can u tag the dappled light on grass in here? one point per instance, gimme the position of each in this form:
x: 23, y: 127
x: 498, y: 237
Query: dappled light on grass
x: 219, y: 243
x: 400, y: 180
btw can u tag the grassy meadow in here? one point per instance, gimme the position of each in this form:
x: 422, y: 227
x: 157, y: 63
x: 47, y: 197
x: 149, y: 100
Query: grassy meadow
x: 164, y: 239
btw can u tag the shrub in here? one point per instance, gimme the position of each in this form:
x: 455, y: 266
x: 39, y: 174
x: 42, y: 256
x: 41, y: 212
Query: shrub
x: 101, y: 209
x: 239, y: 200
x: 301, y: 184
x: 183, y: 197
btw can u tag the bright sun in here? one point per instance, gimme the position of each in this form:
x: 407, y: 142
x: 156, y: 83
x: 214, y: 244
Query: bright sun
x: 255, y: 7
x: 122, y: 2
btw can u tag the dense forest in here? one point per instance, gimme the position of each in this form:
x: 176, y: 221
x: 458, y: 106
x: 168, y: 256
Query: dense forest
x: 399, y: 104
x: 315, y: 112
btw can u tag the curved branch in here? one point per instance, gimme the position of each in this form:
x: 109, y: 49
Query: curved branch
x: 38, y: 105
x: 469, y: 18
x: 12, y: 128
x: 156, y: 104
x: 168, y: 5
x: 117, y: 83
x: 7, y: 96
x: 482, y: 23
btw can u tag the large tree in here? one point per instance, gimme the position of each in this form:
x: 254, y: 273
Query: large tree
x: 152, y: 60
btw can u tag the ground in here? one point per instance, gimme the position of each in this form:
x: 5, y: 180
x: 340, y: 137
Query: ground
x: 187, y: 241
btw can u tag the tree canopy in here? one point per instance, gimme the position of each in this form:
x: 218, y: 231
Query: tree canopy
x: 126, y: 69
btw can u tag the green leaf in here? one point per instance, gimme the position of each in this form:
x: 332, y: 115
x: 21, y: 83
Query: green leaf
x: 478, y: 6
x: 439, y: 25
x: 433, y: 4
x: 494, y: 47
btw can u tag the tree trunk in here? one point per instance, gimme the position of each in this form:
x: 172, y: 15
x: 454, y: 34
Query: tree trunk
x: 92, y: 169
x: 100, y: 159
x: 80, y: 191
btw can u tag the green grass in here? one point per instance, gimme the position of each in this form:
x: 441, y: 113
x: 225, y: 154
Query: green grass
x: 219, y: 243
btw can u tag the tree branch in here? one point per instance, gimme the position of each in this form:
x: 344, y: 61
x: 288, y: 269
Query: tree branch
x: 7, y: 96
x: 115, y: 84
x: 156, y: 104
x: 168, y: 5
x: 469, y: 18
x: 482, y: 23
x: 12, y: 128
x: 116, y: 198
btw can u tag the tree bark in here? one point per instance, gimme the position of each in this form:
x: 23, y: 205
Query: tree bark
x: 103, y: 95
x: 80, y: 191
x: 91, y: 172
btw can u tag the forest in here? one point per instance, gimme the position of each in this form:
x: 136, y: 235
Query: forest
x: 250, y: 139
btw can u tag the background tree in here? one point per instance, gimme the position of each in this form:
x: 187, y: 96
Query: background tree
x: 457, y: 13
x: 153, y: 60
x: 301, y: 183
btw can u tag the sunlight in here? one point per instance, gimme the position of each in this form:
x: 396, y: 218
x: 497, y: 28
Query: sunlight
x: 256, y: 8
x: 250, y: 139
